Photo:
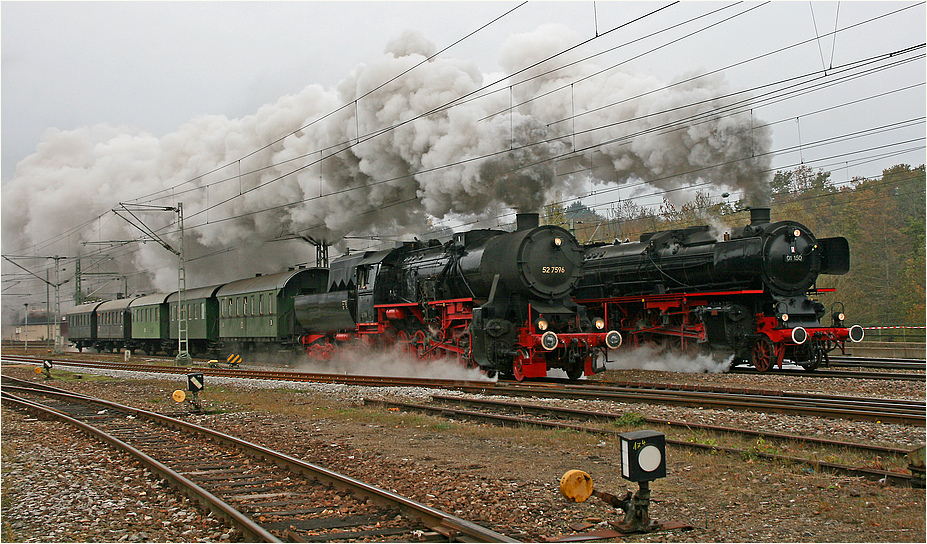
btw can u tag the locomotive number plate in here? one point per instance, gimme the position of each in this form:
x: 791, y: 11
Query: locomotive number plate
x: 553, y: 269
x: 794, y: 258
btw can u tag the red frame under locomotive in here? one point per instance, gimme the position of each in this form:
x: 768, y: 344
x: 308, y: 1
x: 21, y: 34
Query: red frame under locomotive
x: 677, y: 321
x: 446, y: 334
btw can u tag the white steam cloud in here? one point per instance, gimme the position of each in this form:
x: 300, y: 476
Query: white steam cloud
x: 392, y: 362
x: 651, y: 358
x: 472, y: 160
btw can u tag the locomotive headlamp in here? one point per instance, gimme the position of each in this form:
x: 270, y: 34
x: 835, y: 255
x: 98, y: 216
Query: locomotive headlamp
x: 599, y: 323
x: 549, y: 341
x: 558, y: 241
x: 541, y: 324
x: 613, y: 340
x: 796, y: 233
x: 838, y: 318
x: 784, y: 318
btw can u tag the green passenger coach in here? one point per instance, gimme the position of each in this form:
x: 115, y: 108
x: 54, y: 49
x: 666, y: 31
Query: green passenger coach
x: 258, y: 311
x: 149, y: 323
x: 202, y: 311
x: 82, y: 325
x: 114, y: 325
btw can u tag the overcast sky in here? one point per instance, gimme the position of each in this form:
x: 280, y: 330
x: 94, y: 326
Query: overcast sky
x: 150, y: 68
x: 156, y: 65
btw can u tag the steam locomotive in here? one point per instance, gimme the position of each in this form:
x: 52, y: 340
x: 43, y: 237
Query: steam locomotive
x: 745, y: 295
x: 517, y: 303
x: 495, y: 300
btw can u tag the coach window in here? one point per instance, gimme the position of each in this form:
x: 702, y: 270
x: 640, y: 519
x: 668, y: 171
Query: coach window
x: 252, y: 305
x: 261, y: 304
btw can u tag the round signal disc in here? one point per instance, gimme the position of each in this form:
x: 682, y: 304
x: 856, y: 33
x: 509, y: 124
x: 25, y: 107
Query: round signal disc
x: 179, y: 396
x: 650, y: 458
x: 38, y: 370
x: 576, y: 485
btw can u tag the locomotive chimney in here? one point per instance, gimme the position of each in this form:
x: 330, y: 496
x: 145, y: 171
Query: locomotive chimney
x: 759, y: 216
x: 527, y: 221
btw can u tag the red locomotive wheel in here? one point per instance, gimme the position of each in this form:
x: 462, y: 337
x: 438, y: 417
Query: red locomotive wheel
x: 518, y: 370
x: 419, y: 343
x: 402, y: 339
x: 764, y: 354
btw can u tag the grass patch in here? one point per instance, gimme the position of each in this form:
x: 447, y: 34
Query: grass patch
x: 67, y: 376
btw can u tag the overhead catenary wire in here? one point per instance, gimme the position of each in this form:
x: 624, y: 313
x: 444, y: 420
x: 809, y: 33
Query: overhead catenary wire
x: 215, y: 205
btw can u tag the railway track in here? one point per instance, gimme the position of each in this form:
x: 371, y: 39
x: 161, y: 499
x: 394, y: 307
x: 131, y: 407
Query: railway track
x: 904, y: 412
x: 856, y: 374
x: 269, y: 496
x: 514, y: 414
x: 887, y: 364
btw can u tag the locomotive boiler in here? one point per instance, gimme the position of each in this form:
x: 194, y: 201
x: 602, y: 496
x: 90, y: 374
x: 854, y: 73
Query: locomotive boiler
x: 745, y: 294
x: 494, y: 299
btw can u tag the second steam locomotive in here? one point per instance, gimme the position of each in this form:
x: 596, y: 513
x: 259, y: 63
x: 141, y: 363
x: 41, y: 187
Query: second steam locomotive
x: 745, y: 295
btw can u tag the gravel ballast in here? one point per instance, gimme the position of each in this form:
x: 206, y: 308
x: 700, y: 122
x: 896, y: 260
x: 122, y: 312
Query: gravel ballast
x: 59, y: 486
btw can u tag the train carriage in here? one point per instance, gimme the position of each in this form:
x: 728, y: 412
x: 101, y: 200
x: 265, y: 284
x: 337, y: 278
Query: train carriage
x: 149, y: 323
x: 82, y: 325
x: 258, y: 312
x: 202, y: 311
x: 114, y: 325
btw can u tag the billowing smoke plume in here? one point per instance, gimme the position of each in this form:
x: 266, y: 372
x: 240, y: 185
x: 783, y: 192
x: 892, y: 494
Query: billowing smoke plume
x: 377, y: 165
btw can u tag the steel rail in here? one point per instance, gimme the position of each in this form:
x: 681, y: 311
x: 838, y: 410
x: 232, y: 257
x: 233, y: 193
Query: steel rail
x: 380, y: 381
x: 441, y: 522
x: 774, y: 401
x: 610, y: 416
x: 189, y: 488
x: 824, y: 374
x: 895, y: 478
x: 833, y: 408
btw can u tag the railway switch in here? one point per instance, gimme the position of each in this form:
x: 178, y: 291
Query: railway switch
x: 45, y: 369
x: 195, y: 384
x: 643, y: 459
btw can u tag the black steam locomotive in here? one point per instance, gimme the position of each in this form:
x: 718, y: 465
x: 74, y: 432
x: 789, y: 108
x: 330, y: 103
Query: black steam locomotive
x: 746, y: 294
x: 493, y: 299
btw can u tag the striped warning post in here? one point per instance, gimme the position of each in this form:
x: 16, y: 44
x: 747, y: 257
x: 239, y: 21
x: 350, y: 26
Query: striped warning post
x: 233, y: 360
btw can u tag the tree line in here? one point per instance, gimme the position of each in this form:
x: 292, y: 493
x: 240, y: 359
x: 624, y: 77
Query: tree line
x: 882, y: 218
